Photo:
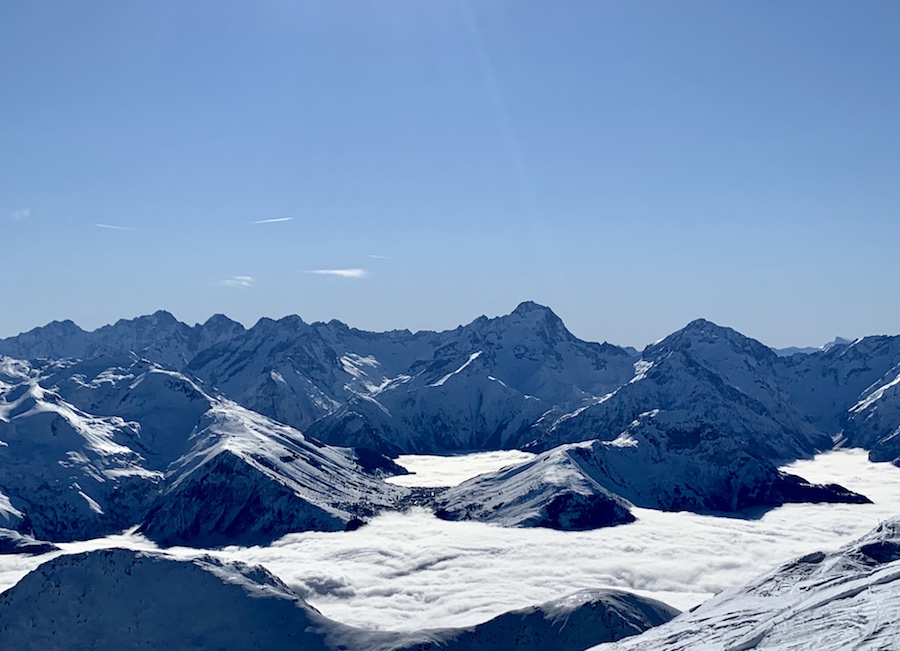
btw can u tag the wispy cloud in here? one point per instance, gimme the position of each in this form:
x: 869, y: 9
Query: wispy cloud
x: 341, y: 273
x: 113, y: 227
x: 379, y: 257
x: 20, y: 214
x: 276, y: 220
x: 238, y: 281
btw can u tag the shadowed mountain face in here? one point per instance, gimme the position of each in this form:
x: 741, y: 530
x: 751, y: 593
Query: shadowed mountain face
x: 119, y: 599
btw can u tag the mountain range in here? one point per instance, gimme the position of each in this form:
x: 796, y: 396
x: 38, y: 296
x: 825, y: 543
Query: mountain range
x: 215, y: 433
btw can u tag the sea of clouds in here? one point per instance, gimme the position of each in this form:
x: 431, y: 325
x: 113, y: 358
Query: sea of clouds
x: 406, y: 571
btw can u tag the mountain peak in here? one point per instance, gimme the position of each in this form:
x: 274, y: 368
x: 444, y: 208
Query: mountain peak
x: 526, y: 308
x: 218, y: 319
x: 702, y: 334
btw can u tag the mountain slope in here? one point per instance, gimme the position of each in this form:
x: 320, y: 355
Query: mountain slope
x: 553, y: 490
x: 210, y: 469
x: 67, y: 473
x: 118, y: 599
x: 825, y: 385
x: 666, y: 461
x: 250, y: 480
x: 482, y: 387
x: 158, y: 336
x: 847, y: 599
x: 873, y: 423
x: 714, y: 376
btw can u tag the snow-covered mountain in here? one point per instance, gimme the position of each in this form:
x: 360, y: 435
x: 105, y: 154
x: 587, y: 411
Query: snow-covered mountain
x: 824, y: 386
x: 250, y: 480
x: 477, y: 387
x: 158, y: 336
x: 874, y: 421
x: 846, y: 599
x: 160, y: 451
x: 181, y: 408
x: 512, y: 381
x: 707, y: 374
x: 554, y: 490
x: 118, y: 599
x: 662, y: 461
x: 65, y: 472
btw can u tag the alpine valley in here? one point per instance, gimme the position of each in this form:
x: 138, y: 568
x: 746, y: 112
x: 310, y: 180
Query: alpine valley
x: 216, y: 435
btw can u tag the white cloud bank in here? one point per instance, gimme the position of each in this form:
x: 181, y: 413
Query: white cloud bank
x: 20, y: 214
x: 406, y: 571
x: 340, y: 273
x: 238, y: 281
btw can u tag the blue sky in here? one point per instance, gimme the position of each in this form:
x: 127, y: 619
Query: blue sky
x: 633, y: 165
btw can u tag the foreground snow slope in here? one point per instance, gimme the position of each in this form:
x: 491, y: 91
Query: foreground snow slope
x: 847, y: 599
x: 120, y: 599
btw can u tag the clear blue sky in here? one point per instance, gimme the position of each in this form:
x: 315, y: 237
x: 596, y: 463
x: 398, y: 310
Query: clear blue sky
x: 633, y: 165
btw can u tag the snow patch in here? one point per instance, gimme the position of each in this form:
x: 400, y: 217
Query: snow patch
x: 471, y: 359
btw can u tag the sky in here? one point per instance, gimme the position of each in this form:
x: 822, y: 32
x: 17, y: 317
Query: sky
x: 633, y: 165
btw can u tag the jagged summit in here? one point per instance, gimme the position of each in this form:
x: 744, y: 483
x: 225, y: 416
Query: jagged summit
x: 530, y: 307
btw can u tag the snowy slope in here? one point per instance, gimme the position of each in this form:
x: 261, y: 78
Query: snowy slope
x: 165, y: 404
x: 553, y: 490
x: 482, y: 388
x: 465, y: 408
x: 13, y: 542
x: 663, y: 460
x: 873, y: 422
x: 118, y: 599
x: 825, y: 385
x: 847, y: 599
x: 711, y: 375
x: 159, y: 337
x: 68, y: 473
x: 211, y: 469
x: 248, y: 479
x: 571, y: 623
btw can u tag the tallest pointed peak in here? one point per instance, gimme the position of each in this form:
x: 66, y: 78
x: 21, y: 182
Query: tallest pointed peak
x: 526, y: 308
